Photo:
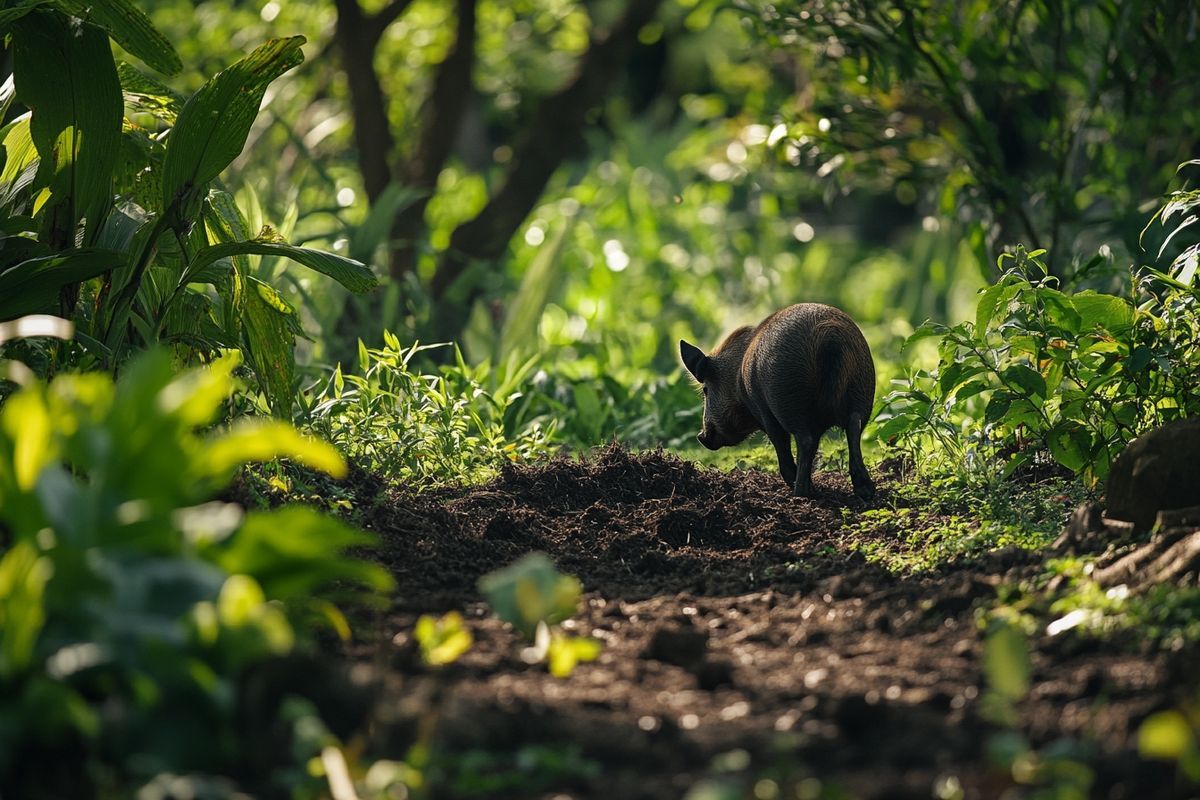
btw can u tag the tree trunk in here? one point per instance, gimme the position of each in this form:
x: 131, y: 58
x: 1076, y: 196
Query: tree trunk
x: 553, y: 133
x: 442, y: 118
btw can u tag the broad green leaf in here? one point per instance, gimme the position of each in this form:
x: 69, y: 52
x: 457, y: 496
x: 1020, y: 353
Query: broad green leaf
x: 997, y: 407
x: 1023, y: 411
x: 146, y: 95
x: 970, y: 389
x: 213, y: 125
x: 1006, y: 662
x: 992, y: 299
x: 32, y: 286
x: 195, y: 397
x: 957, y: 374
x: 20, y: 159
x: 66, y: 75
x: 130, y: 28
x: 191, y: 320
x: 240, y: 598
x: 926, y: 330
x: 296, y: 553
x: 267, y: 324
x: 1025, y: 378
x: 1139, y: 359
x: 1070, y: 445
x: 136, y: 82
x: 1060, y: 309
x: 263, y: 440
x: 23, y: 577
x: 224, y: 220
x: 1114, y: 314
x: 27, y: 424
x: 353, y: 275
x: 901, y: 423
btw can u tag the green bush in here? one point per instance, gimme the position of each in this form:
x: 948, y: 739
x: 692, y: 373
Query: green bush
x: 407, y: 425
x: 110, y: 207
x: 130, y: 603
x: 1072, y: 374
x: 410, y: 420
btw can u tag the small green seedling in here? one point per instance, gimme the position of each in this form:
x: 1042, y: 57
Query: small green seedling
x: 534, y: 597
x: 1171, y: 736
x: 443, y: 640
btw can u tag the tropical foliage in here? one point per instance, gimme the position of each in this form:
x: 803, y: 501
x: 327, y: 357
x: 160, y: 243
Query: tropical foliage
x: 115, y: 218
x: 132, y: 604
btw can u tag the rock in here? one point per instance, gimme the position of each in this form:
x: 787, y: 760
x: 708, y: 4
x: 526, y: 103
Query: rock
x: 1159, y: 470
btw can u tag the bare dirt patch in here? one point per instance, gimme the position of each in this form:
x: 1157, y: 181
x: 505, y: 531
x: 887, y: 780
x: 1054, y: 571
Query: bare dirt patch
x: 743, y: 632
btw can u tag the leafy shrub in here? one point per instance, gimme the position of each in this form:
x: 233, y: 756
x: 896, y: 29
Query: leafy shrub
x: 111, y: 211
x: 407, y: 425
x: 641, y: 409
x: 130, y: 605
x: 1041, y: 370
x: 409, y: 419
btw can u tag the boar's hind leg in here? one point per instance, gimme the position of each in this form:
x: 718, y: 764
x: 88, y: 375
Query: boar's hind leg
x: 806, y: 451
x: 783, y: 450
x: 863, y: 487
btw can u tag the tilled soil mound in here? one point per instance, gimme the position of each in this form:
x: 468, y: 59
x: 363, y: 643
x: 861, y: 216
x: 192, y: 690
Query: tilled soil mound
x: 745, y: 638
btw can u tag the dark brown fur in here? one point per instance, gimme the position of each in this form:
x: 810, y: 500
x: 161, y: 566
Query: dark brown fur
x: 802, y: 371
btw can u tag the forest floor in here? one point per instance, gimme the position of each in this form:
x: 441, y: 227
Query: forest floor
x: 750, y: 647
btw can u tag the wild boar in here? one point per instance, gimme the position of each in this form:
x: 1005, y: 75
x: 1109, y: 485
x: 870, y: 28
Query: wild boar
x: 802, y: 371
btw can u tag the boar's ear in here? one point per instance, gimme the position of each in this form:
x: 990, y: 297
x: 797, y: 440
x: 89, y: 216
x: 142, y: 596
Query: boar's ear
x: 695, y: 360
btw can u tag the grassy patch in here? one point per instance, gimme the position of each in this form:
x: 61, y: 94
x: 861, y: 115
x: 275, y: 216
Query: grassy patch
x: 1065, y: 600
x: 933, y: 522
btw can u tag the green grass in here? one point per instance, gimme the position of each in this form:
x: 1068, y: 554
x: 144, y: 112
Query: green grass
x: 930, y: 522
x: 1064, y: 600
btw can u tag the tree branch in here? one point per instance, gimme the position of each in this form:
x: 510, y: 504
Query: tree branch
x: 555, y: 129
x: 377, y: 24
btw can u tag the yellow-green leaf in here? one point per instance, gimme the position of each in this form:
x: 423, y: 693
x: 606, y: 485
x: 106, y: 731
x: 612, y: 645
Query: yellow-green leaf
x: 443, y: 640
x: 27, y: 424
x: 263, y: 440
x: 1006, y: 662
x: 1165, y: 735
x: 566, y: 652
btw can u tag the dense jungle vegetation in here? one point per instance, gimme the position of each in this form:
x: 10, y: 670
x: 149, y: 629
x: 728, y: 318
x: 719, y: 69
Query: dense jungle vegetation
x: 346, y: 451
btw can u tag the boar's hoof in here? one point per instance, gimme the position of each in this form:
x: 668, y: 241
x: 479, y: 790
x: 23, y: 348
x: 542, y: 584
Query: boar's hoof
x: 864, y: 489
x: 804, y: 490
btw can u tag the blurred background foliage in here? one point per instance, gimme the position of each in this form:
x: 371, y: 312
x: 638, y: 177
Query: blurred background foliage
x: 729, y: 159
